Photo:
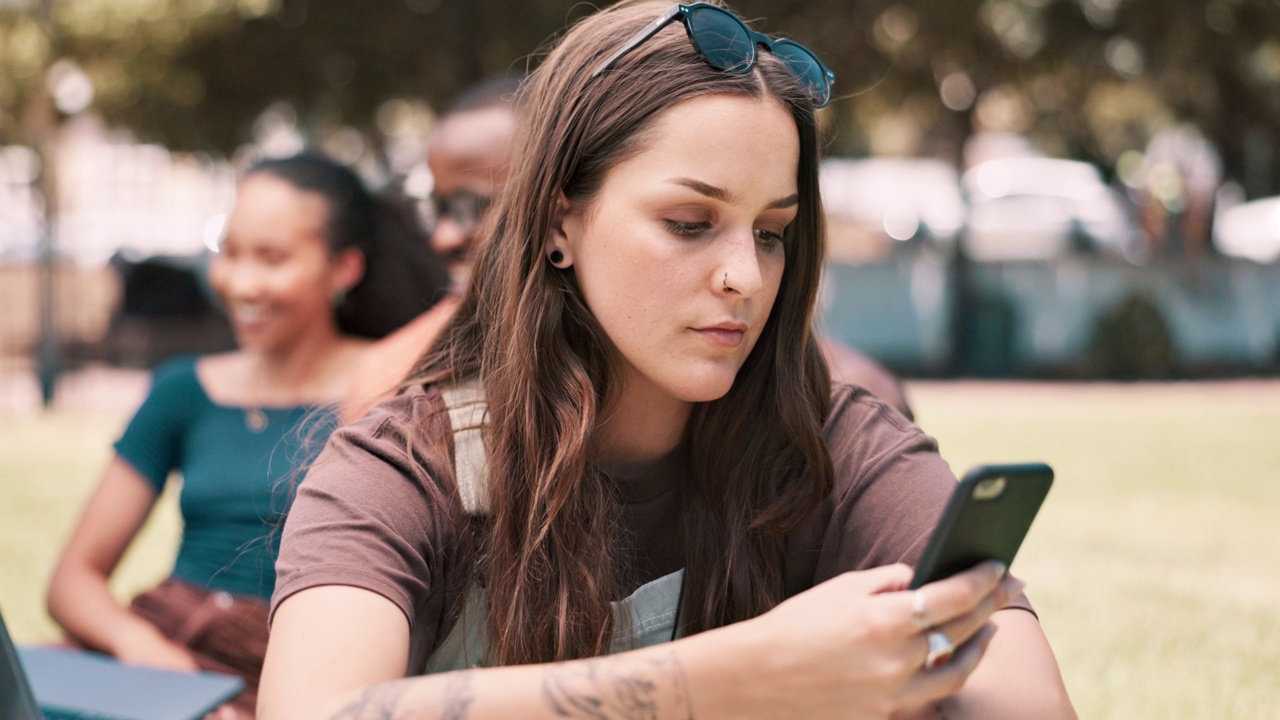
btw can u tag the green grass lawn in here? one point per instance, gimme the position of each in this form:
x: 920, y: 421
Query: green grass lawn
x: 49, y: 464
x: 1155, y: 563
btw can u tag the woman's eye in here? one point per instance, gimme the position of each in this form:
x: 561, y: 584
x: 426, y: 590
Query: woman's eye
x: 686, y: 229
x: 768, y: 238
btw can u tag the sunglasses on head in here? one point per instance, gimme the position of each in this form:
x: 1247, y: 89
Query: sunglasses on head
x: 726, y: 42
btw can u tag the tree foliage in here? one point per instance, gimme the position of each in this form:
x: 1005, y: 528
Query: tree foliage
x: 1085, y: 78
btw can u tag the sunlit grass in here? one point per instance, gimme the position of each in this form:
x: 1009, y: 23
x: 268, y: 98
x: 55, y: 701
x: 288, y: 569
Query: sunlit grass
x: 49, y: 465
x: 1155, y: 564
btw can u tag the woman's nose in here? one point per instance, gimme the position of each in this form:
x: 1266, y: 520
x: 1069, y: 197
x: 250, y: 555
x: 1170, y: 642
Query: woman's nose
x: 740, y: 267
x: 237, y: 280
x: 450, y: 239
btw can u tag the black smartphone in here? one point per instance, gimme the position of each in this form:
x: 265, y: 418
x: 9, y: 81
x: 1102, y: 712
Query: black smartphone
x: 986, y: 518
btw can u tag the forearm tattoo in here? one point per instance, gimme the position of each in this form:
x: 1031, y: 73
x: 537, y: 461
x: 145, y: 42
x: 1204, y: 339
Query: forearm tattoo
x: 384, y: 701
x: 457, y: 696
x: 376, y: 703
x: 619, y: 689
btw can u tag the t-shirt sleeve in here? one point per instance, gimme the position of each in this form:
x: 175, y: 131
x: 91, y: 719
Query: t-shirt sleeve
x: 371, y: 513
x: 152, y: 441
x: 891, y: 486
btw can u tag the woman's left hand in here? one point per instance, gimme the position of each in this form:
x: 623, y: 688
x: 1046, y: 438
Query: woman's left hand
x: 856, y: 645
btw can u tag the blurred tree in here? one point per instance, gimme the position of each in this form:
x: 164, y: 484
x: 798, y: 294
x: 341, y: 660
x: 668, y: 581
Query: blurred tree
x: 1083, y: 78
x: 194, y: 74
x: 336, y: 63
x: 1090, y: 79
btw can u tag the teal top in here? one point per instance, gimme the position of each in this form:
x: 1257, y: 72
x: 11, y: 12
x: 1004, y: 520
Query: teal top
x: 237, y: 484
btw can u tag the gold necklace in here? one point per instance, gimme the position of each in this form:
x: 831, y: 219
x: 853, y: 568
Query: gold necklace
x: 255, y: 419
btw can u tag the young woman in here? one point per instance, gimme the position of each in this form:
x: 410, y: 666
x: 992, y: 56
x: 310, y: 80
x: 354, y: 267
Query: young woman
x: 624, y: 486
x: 302, y: 244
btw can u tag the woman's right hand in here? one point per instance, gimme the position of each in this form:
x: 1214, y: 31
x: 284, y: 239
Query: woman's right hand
x: 854, y: 647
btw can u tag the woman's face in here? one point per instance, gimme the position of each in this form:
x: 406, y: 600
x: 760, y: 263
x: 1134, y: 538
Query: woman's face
x: 274, y: 272
x: 680, y: 254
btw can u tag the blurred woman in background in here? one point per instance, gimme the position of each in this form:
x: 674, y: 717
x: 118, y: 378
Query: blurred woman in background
x: 311, y: 268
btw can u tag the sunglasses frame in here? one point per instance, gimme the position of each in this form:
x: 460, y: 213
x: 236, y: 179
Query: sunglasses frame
x: 756, y: 39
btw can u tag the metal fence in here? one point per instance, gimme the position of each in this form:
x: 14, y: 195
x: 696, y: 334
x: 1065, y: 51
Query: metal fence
x: 1076, y: 316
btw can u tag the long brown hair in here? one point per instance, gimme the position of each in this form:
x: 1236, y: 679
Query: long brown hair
x: 547, y: 367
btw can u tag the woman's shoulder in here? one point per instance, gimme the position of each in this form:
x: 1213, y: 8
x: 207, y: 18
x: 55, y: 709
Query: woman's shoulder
x: 402, y: 442
x: 414, y: 412
x: 219, y: 374
x: 855, y: 406
x: 866, y: 435
x: 889, y: 486
x: 176, y: 366
x: 177, y: 376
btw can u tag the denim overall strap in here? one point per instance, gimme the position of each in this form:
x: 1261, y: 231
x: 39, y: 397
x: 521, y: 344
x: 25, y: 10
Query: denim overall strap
x: 648, y: 615
x: 467, y: 414
x: 645, y: 617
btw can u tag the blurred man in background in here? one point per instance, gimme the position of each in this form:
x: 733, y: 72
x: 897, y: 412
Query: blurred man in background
x: 469, y: 157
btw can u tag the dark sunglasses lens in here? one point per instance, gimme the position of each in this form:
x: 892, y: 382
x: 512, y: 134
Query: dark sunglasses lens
x: 439, y: 206
x: 464, y: 208
x: 721, y: 38
x: 807, y: 68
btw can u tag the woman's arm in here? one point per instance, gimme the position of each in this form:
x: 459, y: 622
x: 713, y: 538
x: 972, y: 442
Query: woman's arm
x: 79, y: 597
x: 1018, y: 677
x: 325, y: 642
x: 848, y: 648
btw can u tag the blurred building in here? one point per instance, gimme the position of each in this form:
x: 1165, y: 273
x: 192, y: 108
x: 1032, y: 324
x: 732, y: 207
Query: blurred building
x: 130, y: 221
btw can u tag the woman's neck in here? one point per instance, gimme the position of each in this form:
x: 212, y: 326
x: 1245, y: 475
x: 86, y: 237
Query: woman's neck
x: 642, y: 425
x: 316, y: 369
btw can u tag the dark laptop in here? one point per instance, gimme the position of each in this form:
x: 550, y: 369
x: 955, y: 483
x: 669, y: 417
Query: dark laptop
x: 62, y: 684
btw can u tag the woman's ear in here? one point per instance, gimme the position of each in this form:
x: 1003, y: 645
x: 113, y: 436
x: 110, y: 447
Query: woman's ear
x: 348, y: 269
x: 566, y: 226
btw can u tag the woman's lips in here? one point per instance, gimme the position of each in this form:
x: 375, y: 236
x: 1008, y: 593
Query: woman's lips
x: 728, y: 336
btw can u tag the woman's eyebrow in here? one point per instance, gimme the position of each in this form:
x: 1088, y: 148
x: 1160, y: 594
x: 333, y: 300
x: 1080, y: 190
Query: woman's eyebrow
x: 791, y: 200
x: 718, y: 193
x: 711, y: 191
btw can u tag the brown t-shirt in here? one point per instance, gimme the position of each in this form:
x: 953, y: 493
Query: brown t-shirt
x: 371, y: 516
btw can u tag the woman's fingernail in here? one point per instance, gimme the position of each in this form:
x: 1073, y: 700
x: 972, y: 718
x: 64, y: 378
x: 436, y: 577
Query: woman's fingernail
x: 1014, y: 587
x: 1000, y: 568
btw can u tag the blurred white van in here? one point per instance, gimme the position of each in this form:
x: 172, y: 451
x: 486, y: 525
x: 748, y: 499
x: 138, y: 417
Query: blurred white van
x: 1249, y: 230
x: 875, y: 204
x: 1037, y: 208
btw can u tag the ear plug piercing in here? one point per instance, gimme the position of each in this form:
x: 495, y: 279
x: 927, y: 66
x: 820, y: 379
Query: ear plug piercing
x: 556, y: 257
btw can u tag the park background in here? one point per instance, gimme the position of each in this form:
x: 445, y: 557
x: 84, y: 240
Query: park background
x: 1136, y: 350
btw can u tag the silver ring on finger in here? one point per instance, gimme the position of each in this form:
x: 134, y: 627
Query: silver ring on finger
x: 918, y: 610
x: 940, y: 650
